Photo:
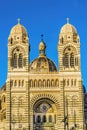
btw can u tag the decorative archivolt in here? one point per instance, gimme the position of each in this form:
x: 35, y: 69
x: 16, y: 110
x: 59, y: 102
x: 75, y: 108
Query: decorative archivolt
x: 17, y: 49
x: 44, y: 96
x: 70, y: 49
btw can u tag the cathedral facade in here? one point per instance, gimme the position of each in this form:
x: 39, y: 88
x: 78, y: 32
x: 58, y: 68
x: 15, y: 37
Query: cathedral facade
x: 36, y: 95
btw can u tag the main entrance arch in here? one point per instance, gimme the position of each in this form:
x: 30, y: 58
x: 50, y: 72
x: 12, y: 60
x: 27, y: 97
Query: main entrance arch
x: 44, y: 114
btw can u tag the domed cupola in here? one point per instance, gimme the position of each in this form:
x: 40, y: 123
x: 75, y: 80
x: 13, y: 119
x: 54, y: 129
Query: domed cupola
x: 18, y: 34
x: 68, y: 33
x: 42, y: 63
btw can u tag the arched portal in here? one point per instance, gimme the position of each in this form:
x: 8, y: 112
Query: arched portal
x: 44, y: 113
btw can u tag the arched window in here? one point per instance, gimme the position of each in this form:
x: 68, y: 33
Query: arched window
x: 22, y: 83
x: 39, y: 83
x: 66, y: 60
x: 44, y: 83
x: 50, y: 118
x: 72, y: 60
x: 31, y: 83
x: 57, y: 83
x: 15, y: 83
x: 68, y: 82
x: 48, y: 83
x: 52, y: 82
x: 15, y: 60
x: 38, y: 119
x: 19, y: 83
x: 20, y: 61
x: 35, y: 83
x: 44, y: 118
x: 75, y: 82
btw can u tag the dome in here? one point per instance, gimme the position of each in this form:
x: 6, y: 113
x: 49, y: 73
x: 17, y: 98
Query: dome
x: 18, y: 29
x: 42, y: 46
x: 68, y: 28
x: 42, y: 64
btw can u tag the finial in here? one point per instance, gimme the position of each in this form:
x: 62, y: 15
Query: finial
x: 67, y: 20
x: 42, y: 37
x: 18, y: 21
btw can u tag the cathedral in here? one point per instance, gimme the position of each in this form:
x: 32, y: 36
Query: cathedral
x: 37, y: 95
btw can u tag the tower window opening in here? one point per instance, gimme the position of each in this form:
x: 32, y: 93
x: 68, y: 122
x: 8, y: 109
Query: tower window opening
x: 72, y: 82
x: 72, y: 60
x: 15, y: 60
x: 66, y: 60
x: 20, y: 60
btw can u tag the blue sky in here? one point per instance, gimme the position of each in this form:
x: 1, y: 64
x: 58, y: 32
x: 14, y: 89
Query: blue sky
x: 42, y: 17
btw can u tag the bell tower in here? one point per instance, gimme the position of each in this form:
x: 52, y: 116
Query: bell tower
x: 18, y: 48
x: 69, y: 48
x: 71, y: 79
